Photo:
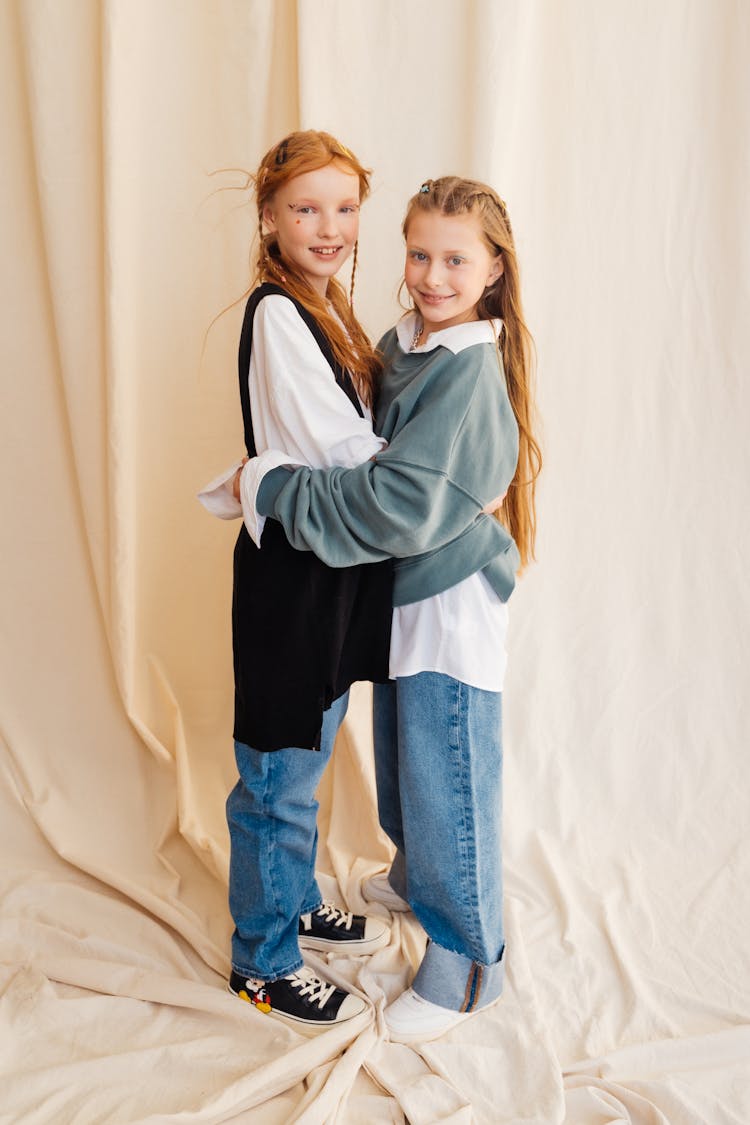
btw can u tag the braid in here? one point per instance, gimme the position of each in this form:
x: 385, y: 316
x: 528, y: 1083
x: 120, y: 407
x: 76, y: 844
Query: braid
x: 496, y: 202
x: 500, y: 204
x: 354, y: 271
x: 261, y: 250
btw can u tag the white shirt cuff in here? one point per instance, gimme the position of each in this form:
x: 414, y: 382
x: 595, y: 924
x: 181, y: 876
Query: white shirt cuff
x: 217, y: 497
x: 250, y: 478
x: 353, y: 451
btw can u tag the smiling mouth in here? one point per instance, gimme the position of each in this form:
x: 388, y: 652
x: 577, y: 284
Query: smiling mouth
x: 435, y: 298
x: 325, y: 251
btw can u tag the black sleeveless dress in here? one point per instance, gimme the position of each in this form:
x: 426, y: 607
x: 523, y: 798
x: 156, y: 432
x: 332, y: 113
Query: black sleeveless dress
x: 302, y: 632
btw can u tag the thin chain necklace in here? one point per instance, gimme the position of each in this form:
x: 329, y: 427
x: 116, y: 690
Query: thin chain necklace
x: 418, y: 330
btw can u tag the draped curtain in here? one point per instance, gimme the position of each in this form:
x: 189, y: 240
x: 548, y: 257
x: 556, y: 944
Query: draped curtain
x: 619, y: 136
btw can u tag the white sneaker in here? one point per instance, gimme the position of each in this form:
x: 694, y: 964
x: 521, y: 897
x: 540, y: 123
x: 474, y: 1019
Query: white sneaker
x: 412, y: 1019
x: 378, y: 889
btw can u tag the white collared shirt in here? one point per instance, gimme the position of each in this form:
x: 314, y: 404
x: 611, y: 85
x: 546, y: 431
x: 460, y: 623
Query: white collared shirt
x: 300, y: 414
x: 301, y: 417
x: 455, y: 338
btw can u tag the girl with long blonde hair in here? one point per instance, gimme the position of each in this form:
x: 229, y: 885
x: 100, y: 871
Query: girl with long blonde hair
x: 456, y: 408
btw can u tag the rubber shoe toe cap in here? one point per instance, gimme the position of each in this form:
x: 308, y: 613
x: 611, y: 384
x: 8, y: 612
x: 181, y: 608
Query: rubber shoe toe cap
x: 351, y: 1007
x: 377, y: 933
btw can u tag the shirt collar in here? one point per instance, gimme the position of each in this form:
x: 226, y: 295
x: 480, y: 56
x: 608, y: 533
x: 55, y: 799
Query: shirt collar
x: 455, y: 338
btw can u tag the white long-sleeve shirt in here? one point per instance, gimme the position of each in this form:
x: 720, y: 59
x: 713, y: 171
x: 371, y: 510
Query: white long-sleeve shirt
x: 297, y: 406
x: 302, y: 417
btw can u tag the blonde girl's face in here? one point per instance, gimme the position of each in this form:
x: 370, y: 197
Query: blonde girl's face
x: 316, y: 220
x: 448, y: 267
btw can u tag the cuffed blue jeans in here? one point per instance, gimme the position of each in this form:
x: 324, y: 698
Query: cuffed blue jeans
x: 438, y: 761
x: 272, y: 818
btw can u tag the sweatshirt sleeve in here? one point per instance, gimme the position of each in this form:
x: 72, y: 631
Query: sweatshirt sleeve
x: 404, y: 502
x: 373, y: 512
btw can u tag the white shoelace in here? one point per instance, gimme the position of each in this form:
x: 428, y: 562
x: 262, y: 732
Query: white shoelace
x: 313, y: 987
x: 333, y: 914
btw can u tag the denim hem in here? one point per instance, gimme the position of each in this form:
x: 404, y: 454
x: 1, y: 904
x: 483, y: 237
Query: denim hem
x: 427, y: 924
x: 312, y: 909
x: 266, y: 977
x: 456, y: 982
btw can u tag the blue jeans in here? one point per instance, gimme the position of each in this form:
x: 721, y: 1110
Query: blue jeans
x: 272, y: 817
x: 438, y: 761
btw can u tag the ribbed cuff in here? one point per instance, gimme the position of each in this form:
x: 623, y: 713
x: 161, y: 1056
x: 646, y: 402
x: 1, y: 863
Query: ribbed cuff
x: 269, y: 489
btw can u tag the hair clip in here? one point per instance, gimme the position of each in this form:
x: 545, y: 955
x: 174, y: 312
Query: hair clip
x: 281, y: 152
x: 424, y: 189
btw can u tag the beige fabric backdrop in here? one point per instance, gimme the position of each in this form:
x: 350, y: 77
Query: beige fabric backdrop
x: 618, y: 133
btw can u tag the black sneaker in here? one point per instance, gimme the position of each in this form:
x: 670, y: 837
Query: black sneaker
x: 301, y: 999
x: 330, y: 928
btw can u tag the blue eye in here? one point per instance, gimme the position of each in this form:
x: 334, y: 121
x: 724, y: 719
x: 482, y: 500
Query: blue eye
x: 418, y: 255
x: 350, y: 208
x: 456, y: 261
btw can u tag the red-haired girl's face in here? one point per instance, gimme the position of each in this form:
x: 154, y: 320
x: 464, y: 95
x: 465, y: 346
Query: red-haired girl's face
x: 316, y: 220
x: 448, y: 267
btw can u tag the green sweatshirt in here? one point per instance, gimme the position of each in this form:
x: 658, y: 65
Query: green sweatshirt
x: 452, y: 447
